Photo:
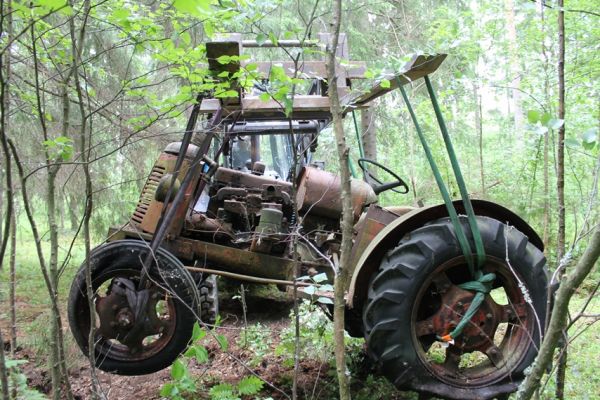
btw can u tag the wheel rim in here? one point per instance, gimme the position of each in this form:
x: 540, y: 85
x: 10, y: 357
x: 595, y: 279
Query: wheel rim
x: 113, y: 334
x: 493, y: 343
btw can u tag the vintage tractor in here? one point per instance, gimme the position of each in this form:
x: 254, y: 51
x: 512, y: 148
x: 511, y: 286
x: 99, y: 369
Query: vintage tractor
x: 451, y: 299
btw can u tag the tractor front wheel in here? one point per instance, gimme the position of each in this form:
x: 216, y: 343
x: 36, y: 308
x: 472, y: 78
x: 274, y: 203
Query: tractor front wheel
x: 137, y: 330
x: 415, y: 299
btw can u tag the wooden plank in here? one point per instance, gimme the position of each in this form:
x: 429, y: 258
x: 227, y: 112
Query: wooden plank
x: 301, y: 103
x: 415, y: 69
x: 254, y: 105
x: 310, y: 69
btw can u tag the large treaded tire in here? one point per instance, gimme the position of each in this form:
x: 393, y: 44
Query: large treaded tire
x: 209, y: 298
x: 123, y: 257
x: 388, y: 312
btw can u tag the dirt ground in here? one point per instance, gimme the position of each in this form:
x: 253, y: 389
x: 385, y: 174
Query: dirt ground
x: 315, y: 380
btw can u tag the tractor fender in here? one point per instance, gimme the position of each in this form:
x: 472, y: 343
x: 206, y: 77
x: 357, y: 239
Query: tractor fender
x: 390, y: 235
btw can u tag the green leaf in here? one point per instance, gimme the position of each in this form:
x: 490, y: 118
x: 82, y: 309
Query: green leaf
x: 555, y: 123
x: 222, y: 391
x: 572, y: 143
x: 197, y: 332
x: 545, y: 118
x: 273, y: 39
x: 120, y: 14
x: 201, y: 354
x: 326, y: 288
x: 324, y: 300
x: 250, y: 385
x: 310, y: 290
x: 178, y: 370
x: 169, y: 390
x: 385, y: 83
x: 222, y: 342
x: 261, y: 38
x: 590, y: 137
x: 264, y: 97
x: 322, y: 277
x: 195, y: 8
x: 533, y: 116
x: 227, y: 93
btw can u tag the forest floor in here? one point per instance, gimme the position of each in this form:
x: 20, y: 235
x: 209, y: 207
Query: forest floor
x: 263, y: 345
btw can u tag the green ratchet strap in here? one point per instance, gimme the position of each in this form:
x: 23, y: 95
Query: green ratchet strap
x: 459, y: 178
x: 361, y: 149
x: 482, y: 283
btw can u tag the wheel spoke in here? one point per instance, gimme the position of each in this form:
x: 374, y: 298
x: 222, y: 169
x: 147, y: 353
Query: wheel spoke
x: 513, y: 311
x: 425, y: 327
x: 442, y: 282
x: 452, y: 360
x: 495, y: 356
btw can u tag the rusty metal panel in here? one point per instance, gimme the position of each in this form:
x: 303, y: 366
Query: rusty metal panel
x: 319, y: 193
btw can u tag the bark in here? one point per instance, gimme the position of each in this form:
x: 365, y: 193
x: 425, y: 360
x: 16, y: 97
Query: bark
x: 560, y: 181
x: 479, y: 128
x: 513, y: 64
x: 546, y: 219
x: 369, y: 133
x: 347, y: 213
x: 85, y: 146
x: 560, y: 158
x: 558, y: 318
x: 3, y: 371
x: 12, y: 285
x: 58, y: 368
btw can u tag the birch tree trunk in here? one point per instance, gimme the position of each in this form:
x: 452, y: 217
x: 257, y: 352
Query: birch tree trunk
x: 559, y: 316
x: 347, y: 214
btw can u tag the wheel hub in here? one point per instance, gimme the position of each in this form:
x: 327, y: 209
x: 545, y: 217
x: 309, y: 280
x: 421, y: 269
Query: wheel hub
x: 479, y: 332
x: 129, y: 315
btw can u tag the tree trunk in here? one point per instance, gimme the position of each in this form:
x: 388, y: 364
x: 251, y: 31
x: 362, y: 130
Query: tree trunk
x: 560, y: 181
x: 12, y: 285
x: 369, y: 133
x: 479, y: 129
x: 3, y: 371
x: 347, y: 213
x: 513, y: 64
x: 559, y: 316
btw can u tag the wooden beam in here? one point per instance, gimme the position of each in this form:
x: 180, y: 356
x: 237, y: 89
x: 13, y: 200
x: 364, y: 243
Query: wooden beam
x: 416, y: 68
x: 310, y: 69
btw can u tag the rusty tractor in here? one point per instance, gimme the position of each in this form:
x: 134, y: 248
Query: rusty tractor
x: 227, y: 200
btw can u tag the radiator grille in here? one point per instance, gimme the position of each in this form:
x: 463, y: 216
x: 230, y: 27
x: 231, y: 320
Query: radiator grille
x: 147, y: 193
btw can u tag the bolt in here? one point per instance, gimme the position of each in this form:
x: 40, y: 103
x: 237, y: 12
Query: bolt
x: 494, y: 351
x: 115, y: 307
x: 489, y: 315
x: 460, y: 304
x: 453, y: 322
x: 124, y: 320
x: 430, y: 326
x: 161, y: 329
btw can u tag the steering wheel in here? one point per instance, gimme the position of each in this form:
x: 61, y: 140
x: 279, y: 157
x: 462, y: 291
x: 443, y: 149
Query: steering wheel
x: 380, y: 187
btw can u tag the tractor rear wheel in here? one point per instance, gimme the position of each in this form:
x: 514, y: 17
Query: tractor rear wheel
x: 414, y: 299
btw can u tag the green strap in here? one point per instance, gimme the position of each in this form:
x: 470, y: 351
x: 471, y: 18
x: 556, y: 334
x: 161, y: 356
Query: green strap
x: 361, y: 149
x: 352, y: 168
x: 459, y: 178
x: 460, y: 234
x: 481, y: 284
